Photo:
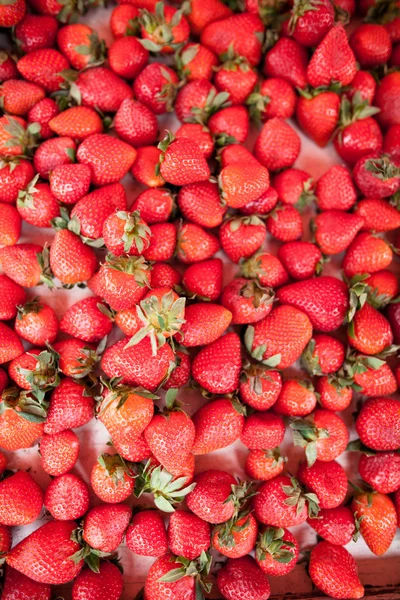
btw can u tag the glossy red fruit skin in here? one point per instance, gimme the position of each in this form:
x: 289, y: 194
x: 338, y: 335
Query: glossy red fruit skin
x: 188, y: 535
x: 371, y: 45
x: 146, y: 535
x: 104, y: 526
x: 378, y: 424
x: 217, y: 366
x: 273, y: 567
x: 287, y: 59
x: 107, y: 584
x: 21, y: 500
x: 359, y: 139
x: 16, y: 585
x: 333, y: 570
x: 241, y: 578
x: 208, y: 499
x: 67, y: 497
x: 327, y: 480
x: 207, y: 420
x: 381, y: 471
x: 270, y: 508
x: 59, y: 452
x: 335, y: 525
x: 70, y: 407
x: 263, y: 430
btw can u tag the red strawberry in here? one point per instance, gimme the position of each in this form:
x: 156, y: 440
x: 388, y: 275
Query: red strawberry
x: 323, y: 299
x: 334, y: 395
x: 236, y: 537
x: 366, y: 254
x: 277, y: 551
x: 91, y: 211
x: 277, y: 146
x: 17, y: 431
x: 335, y: 525
x: 335, y: 189
x: 378, y: 215
x: 188, y: 535
x: 301, y: 259
x: 377, y: 177
x: 59, y: 452
x: 135, y: 123
x: 287, y: 59
x: 195, y: 61
x: 333, y: 60
x: 123, y: 281
x: 124, y: 20
x: 369, y: 332
x: 44, y: 554
x: 37, y: 323
x: 43, y: 67
x: 13, y: 295
x: 377, y: 516
x: 181, y: 373
x: 213, y: 497
x: 112, y: 479
x: 21, y: 500
x: 365, y: 84
x: 37, y: 205
x: 11, y: 346
x: 155, y: 86
x: 333, y: 570
x: 294, y: 187
x: 242, y: 237
x: 385, y: 96
x: 185, y: 582
x: 8, y: 68
x: 197, y: 101
x: 164, y: 30
x: 26, y: 264
x: 52, y: 153
x: 196, y: 330
x: 335, y: 230
x: 80, y: 45
x: 210, y: 435
x: 70, y: 407
x: 155, y: 206
x: 378, y: 424
x: 217, y: 366
x: 274, y: 98
x: 203, y: 279
x: 10, y: 225
x: 236, y: 77
x: 371, y: 45
x: 17, y: 583
x: 247, y: 301
x: 107, y: 584
x: 67, y: 497
x: 230, y: 124
x: 71, y: 260
x: 10, y: 15
x: 266, y: 268
x: 78, y: 122
x: 285, y: 223
x: 203, y: 13
x: 327, y: 480
x: 104, y: 526
x: 14, y: 176
x: 241, y: 576
x: 162, y: 242
x: 242, y: 183
x: 181, y: 161
x: 195, y: 244
x: 310, y: 22
x: 35, y: 370
x: 77, y: 359
x: 263, y: 430
x: 109, y: 158
x: 381, y: 471
x: 324, y: 354
x: 260, y: 387
x: 264, y: 464
x: 127, y: 57
x: 146, y: 534
x: 296, y: 399
x: 43, y: 112
x: 87, y: 320
x: 317, y: 113
x: 198, y: 134
x: 19, y: 96
x: 100, y: 87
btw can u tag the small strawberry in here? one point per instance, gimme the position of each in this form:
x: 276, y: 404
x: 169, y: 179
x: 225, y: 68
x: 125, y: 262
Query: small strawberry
x: 327, y: 480
x: 80, y: 45
x: 14, y: 176
x: 378, y: 424
x: 188, y: 535
x: 207, y: 420
x: 112, y: 479
x: 201, y: 14
x: 106, y: 584
x: 109, y: 158
x: 126, y: 233
x: 287, y: 59
x: 17, y: 583
x: 163, y: 30
x: 377, y: 516
x: 200, y: 135
x: 102, y: 88
x: 369, y: 332
x: 335, y: 189
x: 59, y: 452
x: 323, y: 355
x: 371, y: 45
x: 198, y: 100
x: 236, y: 537
x: 217, y: 366
x: 335, y: 525
x: 241, y: 576
x: 43, y: 112
x: 194, y: 244
x: 333, y: 570
x: 260, y: 387
x: 366, y: 254
x: 127, y: 57
x: 162, y: 242
x: 8, y: 68
x: 18, y: 96
x: 77, y: 122
x: 36, y: 370
x: 301, y: 259
x: 154, y: 205
x: 242, y: 237
x: 26, y: 264
x: 215, y: 496
x: 264, y: 464
x: 88, y: 320
x: 266, y: 268
x: 91, y: 211
x: 67, y: 497
x: 37, y: 205
x: 333, y: 60
x: 242, y: 183
x: 124, y: 20
x: 146, y: 535
x: 145, y: 167
x: 229, y: 125
x: 156, y: 86
x: 21, y: 500
x: 310, y: 22
x: 335, y: 230
x: 123, y: 281
x: 296, y: 399
x: 77, y: 359
x: 52, y: 153
x: 275, y: 97
x: 277, y: 145
x: 247, y: 301
x: 294, y: 187
x: 196, y: 330
x: 203, y: 280
x: 104, y: 526
x: 277, y: 551
x: 14, y: 295
x: 195, y: 61
x: 37, y: 323
x: 235, y: 77
x: 317, y: 113
x: 70, y: 407
x: 43, y: 67
x: 262, y: 430
x: 181, y: 162
x: 71, y: 260
x: 365, y: 84
x: 285, y: 223
x: 135, y: 123
x: 16, y: 431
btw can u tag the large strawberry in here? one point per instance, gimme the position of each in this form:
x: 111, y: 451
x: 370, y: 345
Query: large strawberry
x: 241, y: 576
x: 16, y: 583
x: 333, y: 60
x: 107, y: 584
x: 109, y: 158
x: 217, y: 366
x: 146, y: 534
x: 377, y: 516
x: 333, y: 570
x: 16, y: 429
x: 207, y: 420
x: 378, y: 424
x: 21, y: 499
x: 67, y: 497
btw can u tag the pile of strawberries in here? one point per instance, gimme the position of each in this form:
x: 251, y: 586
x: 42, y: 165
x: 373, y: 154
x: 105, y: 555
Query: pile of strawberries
x: 77, y: 118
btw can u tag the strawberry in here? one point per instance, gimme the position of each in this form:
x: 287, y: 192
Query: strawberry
x: 127, y: 57
x: 390, y: 143
x: 17, y: 431
x: 327, y: 480
x: 279, y: 339
x: 52, y: 153
x: 71, y: 260
x: 296, y: 399
x: 37, y: 205
x: 277, y: 551
x: 242, y: 183
x: 329, y: 300
x: 333, y: 570
x: 241, y: 576
x: 335, y: 525
x: 285, y: 223
x: 377, y: 177
x: 13, y: 295
x: 369, y: 332
x: 333, y: 60
x: 112, y: 479
x: 377, y: 424
x: 122, y: 281
x: 92, y: 210
x: 80, y: 45
x: 26, y: 264
x: 102, y: 88
x: 154, y: 205
x: 317, y: 114
x: 194, y: 244
x: 301, y: 259
x: 195, y: 61
x: 377, y: 516
x: 126, y: 233
x: 188, y: 535
x: 262, y: 430
x: 335, y: 189
x: 200, y: 135
x: 17, y: 583
x: 16, y: 137
x: 310, y: 22
x: 365, y: 84
x: 247, y: 301
x: 8, y: 68
x: 70, y: 407
x: 217, y: 366
x: 19, y: 96
x: 87, y: 320
x: 164, y: 30
x: 287, y: 59
x: 106, y: 584
x: 235, y: 77
x: 196, y: 330
x: 77, y: 122
x: 281, y: 502
x: 236, y: 537
x: 21, y: 500
x: 230, y: 124
x: 294, y: 187
x: 156, y: 86
x: 43, y: 112
x: 214, y: 496
x: 14, y: 176
x: 335, y: 230
x: 203, y: 13
x: 277, y: 145
x: 371, y: 45
x: 207, y: 420
x: 43, y: 67
x: 324, y: 436
x: 59, y: 452
x: 366, y: 254
x: 181, y: 373
x: 35, y: 32
x: 109, y: 158
x: 181, y: 162
x: 35, y: 370
x: 10, y: 225
x: 234, y: 154
x: 11, y: 14
x: 197, y: 101
x: 67, y: 497
x: 378, y: 215
x: 378, y: 381
x: 323, y: 355
x: 37, y: 323
x: 146, y: 534
x: 264, y: 464
x: 11, y: 346
x: 242, y: 237
x: 381, y: 471
x: 124, y: 20
x: 162, y: 245
x: 266, y: 268
x: 104, y: 526
x: 135, y: 123
x: 203, y: 279
x: 274, y: 98
x: 260, y: 387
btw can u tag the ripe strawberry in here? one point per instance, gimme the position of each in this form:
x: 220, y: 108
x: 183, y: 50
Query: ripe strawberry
x: 8, y: 68
x: 369, y: 332
x: 381, y: 471
x: 164, y: 30
x: 378, y: 215
x: 241, y: 576
x: 217, y: 366
x: 59, y: 452
x: 35, y: 370
x: 262, y: 430
x: 146, y: 534
x: 156, y: 86
x: 365, y: 84
x: 196, y: 330
x: 43, y: 67
x: 235, y: 154
x: 279, y: 339
x: 235, y: 77
x: 104, y: 526
x: 197, y: 101
x: 323, y: 355
x: 377, y: 516
x: 285, y: 223
x: 195, y: 61
x: 213, y: 497
x: 52, y: 153
x: 77, y: 359
x: 109, y: 158
x: 335, y: 525
x: 35, y: 32
x: 10, y: 225
x: 37, y: 323
x: 17, y: 431
x: 123, y: 281
x: 277, y: 145
x: 236, y: 537
x: 162, y: 242
x: 181, y: 373
x: 77, y: 122
x: 203, y: 13
x: 260, y: 387
x: 14, y: 295
x: 124, y: 21
x: 317, y: 113
x: 296, y: 399
x: 238, y: 31
x: 17, y: 583
x: 188, y: 535
x: 242, y: 237
x: 181, y: 162
x: 21, y: 500
x: 70, y: 407
x: 247, y: 301
x: 242, y: 183
x: 43, y: 112
x: 185, y: 582
x: 80, y: 45
x: 366, y: 254
x: 310, y: 22
x: 324, y: 436
x: 327, y: 480
x: 371, y: 45
x: 335, y: 230
x: 274, y: 98
x: 19, y: 96
x: 266, y: 268
x: 127, y: 57
x: 11, y: 14
x: 102, y: 88
x: 335, y: 189
x: 71, y: 260
x: 391, y: 144
x: 277, y: 551
x: 287, y: 59
x: 324, y: 300
x: 107, y: 584
x: 112, y: 479
x: 154, y: 205
x: 200, y: 135
x: 301, y: 259
x: 378, y: 424
x: 230, y: 124
x: 294, y: 187
x: 11, y: 346
x: 126, y: 233
x: 203, y: 280
x: 37, y: 205
x: 264, y: 464
x: 67, y: 497
x: 92, y: 210
x: 210, y: 435
x: 333, y: 60
x: 87, y: 320
x: 333, y: 570
x: 14, y: 176
x: 378, y: 381
x: 135, y: 123
x: 26, y: 264
x: 194, y: 244
x: 281, y: 502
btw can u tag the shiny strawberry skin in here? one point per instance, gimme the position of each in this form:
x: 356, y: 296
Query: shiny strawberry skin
x: 333, y: 570
x: 207, y: 420
x: 146, y: 535
x: 217, y: 366
x: 67, y: 497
